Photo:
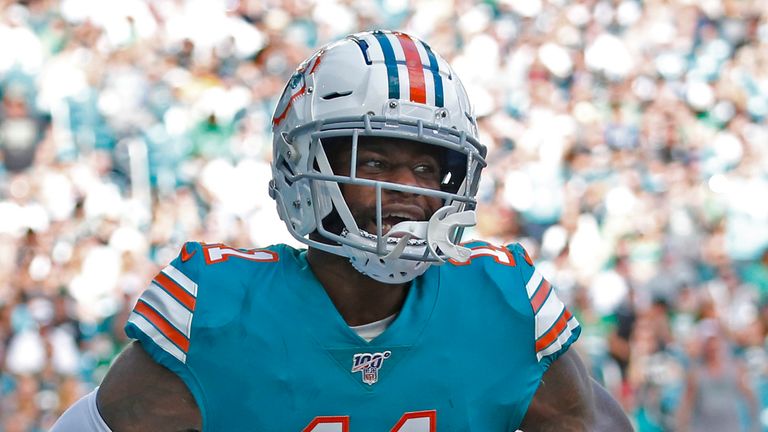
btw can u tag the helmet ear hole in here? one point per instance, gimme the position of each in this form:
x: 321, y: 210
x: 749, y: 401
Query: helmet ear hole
x: 336, y: 95
x: 287, y: 168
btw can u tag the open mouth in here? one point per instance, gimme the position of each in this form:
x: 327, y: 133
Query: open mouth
x: 390, y: 220
x: 394, y: 215
x: 387, y: 226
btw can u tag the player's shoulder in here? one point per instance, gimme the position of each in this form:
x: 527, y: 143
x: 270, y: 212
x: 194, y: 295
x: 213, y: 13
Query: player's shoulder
x: 203, y: 256
x: 487, y: 256
x: 223, y: 263
x: 509, y: 270
x: 219, y: 268
x: 491, y: 269
x: 222, y: 271
x: 203, y: 287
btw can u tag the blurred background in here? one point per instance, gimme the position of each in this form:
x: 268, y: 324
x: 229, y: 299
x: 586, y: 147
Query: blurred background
x: 628, y: 153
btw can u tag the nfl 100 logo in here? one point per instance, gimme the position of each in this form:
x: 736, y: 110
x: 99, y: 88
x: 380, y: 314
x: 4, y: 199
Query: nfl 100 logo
x: 369, y: 364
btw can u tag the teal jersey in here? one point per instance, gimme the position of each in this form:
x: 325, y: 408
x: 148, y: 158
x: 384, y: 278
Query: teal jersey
x: 261, y: 346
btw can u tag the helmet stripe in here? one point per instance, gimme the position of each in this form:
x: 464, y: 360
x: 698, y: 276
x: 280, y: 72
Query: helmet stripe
x: 433, y: 66
x: 393, y: 77
x: 280, y: 117
x: 418, y: 93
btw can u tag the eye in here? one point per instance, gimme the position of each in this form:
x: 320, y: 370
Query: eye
x: 425, y: 168
x: 372, y: 163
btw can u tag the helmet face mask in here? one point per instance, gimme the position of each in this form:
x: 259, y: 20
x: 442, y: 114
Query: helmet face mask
x: 384, y: 159
x: 342, y: 96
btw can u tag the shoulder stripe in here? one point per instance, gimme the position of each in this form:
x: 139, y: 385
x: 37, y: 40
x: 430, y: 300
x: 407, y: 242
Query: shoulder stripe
x: 175, y: 290
x: 170, y: 308
x: 541, y: 295
x: 561, y: 340
x: 551, y: 335
x: 548, y: 315
x: 157, y: 337
x: 162, y: 325
x: 181, y: 279
x: 533, y: 283
x: 555, y: 328
x: 165, y: 310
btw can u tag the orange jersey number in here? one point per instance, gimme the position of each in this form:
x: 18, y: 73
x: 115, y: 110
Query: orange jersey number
x: 419, y: 421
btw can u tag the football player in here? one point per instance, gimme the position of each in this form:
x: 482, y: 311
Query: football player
x: 386, y: 322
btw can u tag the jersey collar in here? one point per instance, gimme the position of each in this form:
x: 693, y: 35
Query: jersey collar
x: 330, y: 329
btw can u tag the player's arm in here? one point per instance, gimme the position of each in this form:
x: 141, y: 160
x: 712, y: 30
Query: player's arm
x: 138, y: 394
x: 568, y: 399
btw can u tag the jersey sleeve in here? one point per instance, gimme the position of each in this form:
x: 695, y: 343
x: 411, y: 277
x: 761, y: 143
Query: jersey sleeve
x: 162, y: 317
x: 555, y: 327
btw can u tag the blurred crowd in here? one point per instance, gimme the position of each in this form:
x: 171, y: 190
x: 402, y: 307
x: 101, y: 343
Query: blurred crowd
x: 628, y: 150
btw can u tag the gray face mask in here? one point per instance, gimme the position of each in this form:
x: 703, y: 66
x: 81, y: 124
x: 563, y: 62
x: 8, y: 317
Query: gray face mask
x: 390, y: 255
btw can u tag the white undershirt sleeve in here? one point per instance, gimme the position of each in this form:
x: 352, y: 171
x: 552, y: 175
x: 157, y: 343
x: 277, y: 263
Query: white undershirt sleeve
x: 82, y: 416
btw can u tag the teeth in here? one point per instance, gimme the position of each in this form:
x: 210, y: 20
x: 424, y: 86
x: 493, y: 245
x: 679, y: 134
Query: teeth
x: 390, y: 240
x: 398, y: 215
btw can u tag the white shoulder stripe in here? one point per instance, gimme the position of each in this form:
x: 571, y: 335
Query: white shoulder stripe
x: 167, y: 306
x: 181, y: 279
x: 533, y: 283
x: 161, y: 341
x: 561, y: 340
x: 548, y: 314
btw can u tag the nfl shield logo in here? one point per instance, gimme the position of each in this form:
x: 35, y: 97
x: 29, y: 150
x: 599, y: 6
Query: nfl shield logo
x: 370, y: 375
x: 369, y: 364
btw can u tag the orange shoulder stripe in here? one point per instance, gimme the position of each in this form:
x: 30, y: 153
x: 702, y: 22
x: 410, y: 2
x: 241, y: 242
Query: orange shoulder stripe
x: 541, y: 295
x: 177, y: 292
x: 553, y: 333
x: 168, y: 330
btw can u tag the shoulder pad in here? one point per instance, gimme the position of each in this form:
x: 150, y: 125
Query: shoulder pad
x: 163, y: 314
x: 171, y: 308
x: 556, y: 327
x: 512, y: 270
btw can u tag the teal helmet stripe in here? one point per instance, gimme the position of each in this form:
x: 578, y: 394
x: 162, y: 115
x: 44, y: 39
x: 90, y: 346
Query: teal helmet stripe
x: 434, y: 67
x: 391, y: 63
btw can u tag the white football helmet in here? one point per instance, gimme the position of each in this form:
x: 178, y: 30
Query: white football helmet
x: 381, y: 84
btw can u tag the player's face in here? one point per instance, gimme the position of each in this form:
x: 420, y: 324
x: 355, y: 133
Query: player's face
x: 395, y: 161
